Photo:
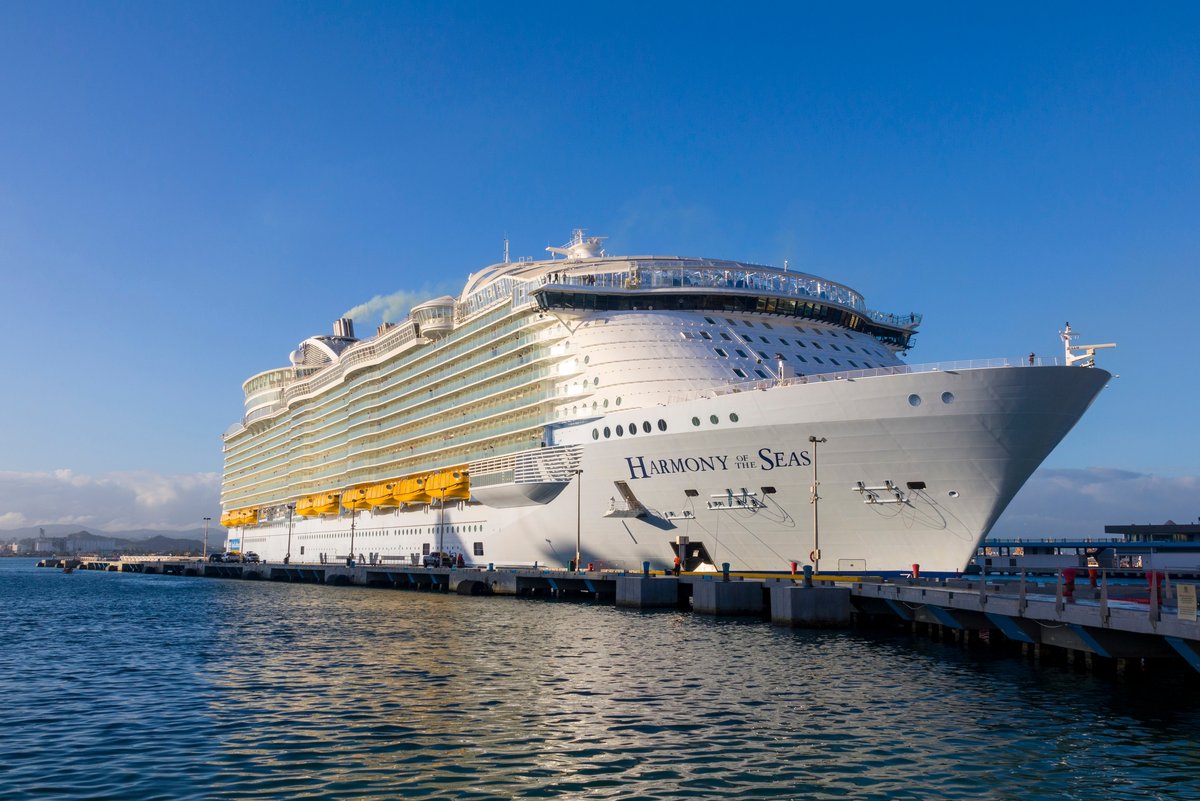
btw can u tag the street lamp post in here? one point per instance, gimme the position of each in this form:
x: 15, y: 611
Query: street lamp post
x: 204, y: 551
x: 816, y: 553
x: 350, y: 559
x: 578, y: 516
x: 288, y: 556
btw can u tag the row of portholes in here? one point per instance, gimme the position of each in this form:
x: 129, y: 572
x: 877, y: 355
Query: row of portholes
x: 632, y: 430
x: 584, y: 408
x: 712, y: 418
x: 915, y: 400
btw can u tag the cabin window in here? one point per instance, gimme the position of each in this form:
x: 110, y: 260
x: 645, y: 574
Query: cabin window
x: 646, y: 426
x: 706, y: 335
x: 761, y: 374
x: 726, y: 337
x: 478, y: 550
x: 740, y: 373
x: 620, y: 431
x: 712, y: 418
x: 695, y: 421
x: 741, y: 353
x: 595, y: 433
x: 607, y: 432
x: 733, y: 418
x: 662, y: 425
x: 721, y: 353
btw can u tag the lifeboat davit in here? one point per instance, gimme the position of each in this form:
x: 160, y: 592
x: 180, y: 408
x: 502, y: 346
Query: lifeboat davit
x: 306, y: 506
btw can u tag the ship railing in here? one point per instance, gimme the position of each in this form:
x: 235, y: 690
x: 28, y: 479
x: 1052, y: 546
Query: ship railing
x: 899, y: 369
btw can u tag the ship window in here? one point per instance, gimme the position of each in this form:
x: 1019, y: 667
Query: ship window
x: 817, y: 345
x: 479, y: 549
x: 695, y: 421
x: 593, y: 406
x: 620, y: 431
x: 801, y: 344
x: 733, y: 418
x: 706, y: 335
x: 618, y: 400
x: 646, y: 426
x: 721, y: 353
x: 731, y: 322
x: 739, y: 372
x: 425, y: 548
x: 710, y: 321
x: 914, y: 400
x: 947, y: 397
x: 595, y: 433
x: 741, y: 353
x: 662, y: 425
x: 765, y: 340
x: 726, y: 337
x: 596, y: 381
x: 607, y: 432
x: 712, y: 418
x: 767, y: 326
x: 835, y: 361
x: 852, y: 364
x: 747, y: 323
x: 835, y: 347
x: 763, y: 355
x: 818, y: 331
x: 632, y: 429
x: 817, y: 359
x: 850, y: 349
x: 761, y: 374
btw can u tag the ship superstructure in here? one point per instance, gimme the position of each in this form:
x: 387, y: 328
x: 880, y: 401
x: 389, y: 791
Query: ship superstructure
x: 682, y: 401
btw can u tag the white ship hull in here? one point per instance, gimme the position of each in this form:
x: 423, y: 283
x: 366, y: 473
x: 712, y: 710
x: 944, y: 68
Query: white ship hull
x: 901, y: 482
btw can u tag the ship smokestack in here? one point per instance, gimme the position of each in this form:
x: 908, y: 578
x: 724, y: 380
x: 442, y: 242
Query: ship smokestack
x: 343, y: 328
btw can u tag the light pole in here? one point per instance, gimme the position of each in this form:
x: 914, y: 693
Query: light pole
x: 350, y: 559
x: 578, y: 516
x: 288, y: 556
x: 204, y: 551
x: 815, y: 556
x: 442, y: 527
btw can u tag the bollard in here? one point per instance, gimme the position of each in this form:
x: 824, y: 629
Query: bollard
x: 646, y: 569
x: 793, y: 568
x: 490, y: 567
x: 808, y: 575
x: 591, y: 567
x: 571, y: 566
x: 916, y: 571
x: 724, y: 571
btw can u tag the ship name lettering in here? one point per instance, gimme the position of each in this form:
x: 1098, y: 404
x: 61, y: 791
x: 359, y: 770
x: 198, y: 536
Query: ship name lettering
x: 641, y: 467
x: 772, y: 459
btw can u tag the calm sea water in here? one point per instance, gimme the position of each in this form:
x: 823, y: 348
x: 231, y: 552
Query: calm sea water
x: 141, y: 687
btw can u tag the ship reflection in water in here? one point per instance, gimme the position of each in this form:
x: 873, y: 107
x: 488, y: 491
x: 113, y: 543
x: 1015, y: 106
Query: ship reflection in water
x: 153, y: 686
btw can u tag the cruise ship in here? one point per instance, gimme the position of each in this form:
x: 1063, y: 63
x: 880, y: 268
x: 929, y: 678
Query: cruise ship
x: 598, y: 411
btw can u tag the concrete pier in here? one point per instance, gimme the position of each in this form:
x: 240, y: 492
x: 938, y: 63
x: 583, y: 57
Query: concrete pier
x: 810, y: 607
x: 1113, y: 623
x: 647, y: 592
x: 717, y: 597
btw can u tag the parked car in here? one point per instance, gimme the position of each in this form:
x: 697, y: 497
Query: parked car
x: 231, y: 557
x: 250, y: 556
x: 216, y: 557
x: 437, y: 559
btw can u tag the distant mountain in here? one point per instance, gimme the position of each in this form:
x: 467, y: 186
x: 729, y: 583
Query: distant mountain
x: 62, y: 530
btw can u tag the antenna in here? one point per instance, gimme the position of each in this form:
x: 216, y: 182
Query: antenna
x: 1088, y: 357
x: 785, y: 263
x: 506, y: 247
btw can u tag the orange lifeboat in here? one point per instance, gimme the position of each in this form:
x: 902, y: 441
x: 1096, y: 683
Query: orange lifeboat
x: 355, y: 498
x: 450, y: 485
x: 226, y: 519
x: 382, y: 496
x: 327, y: 503
x: 306, y: 506
x: 411, y: 490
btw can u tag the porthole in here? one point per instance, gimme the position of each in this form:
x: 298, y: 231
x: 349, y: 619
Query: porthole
x: 620, y: 431
x: 595, y: 433
x: 587, y: 359
x: 606, y: 403
x: 953, y: 493
x: 607, y: 432
x: 733, y: 418
x: 712, y: 418
x: 695, y: 421
x: 662, y: 425
x: 632, y: 429
x: 914, y: 400
x: 618, y: 400
x: 646, y: 426
x: 596, y: 381
x: 947, y: 397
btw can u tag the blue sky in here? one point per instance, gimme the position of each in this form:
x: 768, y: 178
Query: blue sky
x: 188, y: 190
